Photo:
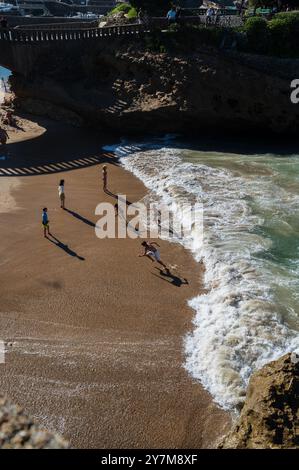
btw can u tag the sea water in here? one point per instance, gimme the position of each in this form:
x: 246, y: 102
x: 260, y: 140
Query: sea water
x: 249, y: 314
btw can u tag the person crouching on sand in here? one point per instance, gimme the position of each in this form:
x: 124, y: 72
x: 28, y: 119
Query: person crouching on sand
x: 105, y: 177
x: 151, y: 252
x: 61, y: 194
x: 45, y: 222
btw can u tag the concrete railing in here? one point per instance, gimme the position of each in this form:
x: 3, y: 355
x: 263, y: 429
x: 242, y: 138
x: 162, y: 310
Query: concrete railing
x: 59, y: 26
x: 75, y: 33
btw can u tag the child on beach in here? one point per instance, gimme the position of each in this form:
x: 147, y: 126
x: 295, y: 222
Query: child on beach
x: 151, y: 252
x: 45, y: 222
x: 105, y: 176
x: 61, y: 194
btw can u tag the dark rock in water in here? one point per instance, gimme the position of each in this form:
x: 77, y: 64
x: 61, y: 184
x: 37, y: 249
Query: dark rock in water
x: 270, y: 416
x: 18, y: 431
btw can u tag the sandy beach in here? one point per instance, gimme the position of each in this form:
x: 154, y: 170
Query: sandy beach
x: 94, y: 334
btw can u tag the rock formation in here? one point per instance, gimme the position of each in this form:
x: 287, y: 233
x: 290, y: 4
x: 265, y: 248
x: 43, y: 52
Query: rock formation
x: 18, y: 431
x: 270, y: 416
x: 121, y: 86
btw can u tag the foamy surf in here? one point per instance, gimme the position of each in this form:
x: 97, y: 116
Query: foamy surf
x: 250, y: 314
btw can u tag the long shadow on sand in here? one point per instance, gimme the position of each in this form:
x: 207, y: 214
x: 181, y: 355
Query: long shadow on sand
x: 171, y: 278
x: 64, y: 247
x: 117, y: 196
x: 80, y: 217
x: 60, y: 148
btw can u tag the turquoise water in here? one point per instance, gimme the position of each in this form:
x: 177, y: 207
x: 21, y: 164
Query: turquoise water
x: 249, y: 314
x: 269, y: 185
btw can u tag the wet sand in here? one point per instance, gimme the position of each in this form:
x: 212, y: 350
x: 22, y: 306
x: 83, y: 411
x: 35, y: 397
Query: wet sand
x: 94, y: 334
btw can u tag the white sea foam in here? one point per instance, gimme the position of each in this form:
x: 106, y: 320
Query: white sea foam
x: 240, y: 323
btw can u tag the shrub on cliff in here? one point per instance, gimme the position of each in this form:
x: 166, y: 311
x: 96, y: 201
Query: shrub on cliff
x: 284, y: 34
x: 123, y: 7
x: 183, y: 39
x: 129, y: 11
x: 257, y: 32
x: 287, y: 16
x: 278, y: 37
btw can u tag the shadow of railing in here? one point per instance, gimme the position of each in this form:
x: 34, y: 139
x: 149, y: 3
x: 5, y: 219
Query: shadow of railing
x: 56, y: 167
x: 60, y: 148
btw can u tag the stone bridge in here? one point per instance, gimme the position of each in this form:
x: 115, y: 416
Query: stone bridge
x: 22, y: 46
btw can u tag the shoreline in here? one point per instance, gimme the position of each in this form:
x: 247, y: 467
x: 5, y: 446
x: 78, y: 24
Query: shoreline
x: 121, y: 380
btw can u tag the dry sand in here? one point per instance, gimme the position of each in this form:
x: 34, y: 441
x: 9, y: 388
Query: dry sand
x: 7, y: 201
x: 94, y: 334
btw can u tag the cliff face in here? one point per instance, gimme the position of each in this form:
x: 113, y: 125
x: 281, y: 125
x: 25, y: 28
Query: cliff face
x: 122, y: 87
x: 18, y: 431
x: 270, y: 417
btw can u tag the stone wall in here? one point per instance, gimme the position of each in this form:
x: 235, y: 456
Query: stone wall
x: 270, y: 416
x: 18, y: 431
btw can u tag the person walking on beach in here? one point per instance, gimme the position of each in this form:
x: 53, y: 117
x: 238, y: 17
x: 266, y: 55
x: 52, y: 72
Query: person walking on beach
x: 105, y: 177
x: 151, y: 251
x: 3, y: 136
x: 61, y: 194
x: 45, y: 222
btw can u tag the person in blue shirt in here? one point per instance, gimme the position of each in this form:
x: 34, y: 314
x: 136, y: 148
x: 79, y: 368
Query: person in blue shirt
x: 45, y: 222
x: 172, y: 15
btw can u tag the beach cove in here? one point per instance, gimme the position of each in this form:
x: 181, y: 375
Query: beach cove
x: 94, y: 335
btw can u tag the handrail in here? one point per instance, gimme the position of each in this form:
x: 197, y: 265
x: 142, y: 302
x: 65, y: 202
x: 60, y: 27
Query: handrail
x: 58, y: 26
x: 46, y: 35
x: 74, y: 34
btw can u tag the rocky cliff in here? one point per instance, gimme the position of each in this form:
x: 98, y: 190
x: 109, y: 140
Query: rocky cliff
x: 18, y: 431
x: 122, y: 86
x: 270, y: 417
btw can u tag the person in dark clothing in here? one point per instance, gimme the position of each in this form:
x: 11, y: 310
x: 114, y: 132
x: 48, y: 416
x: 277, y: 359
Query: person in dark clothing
x: 3, y: 22
x: 178, y: 14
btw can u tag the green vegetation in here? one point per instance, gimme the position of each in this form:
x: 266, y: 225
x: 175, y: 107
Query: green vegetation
x: 279, y: 36
x: 184, y: 39
x: 124, y: 7
x: 256, y: 29
x: 127, y: 9
x: 132, y: 13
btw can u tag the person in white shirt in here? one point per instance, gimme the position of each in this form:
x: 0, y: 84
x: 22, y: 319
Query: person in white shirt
x: 61, y: 194
x: 210, y: 14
